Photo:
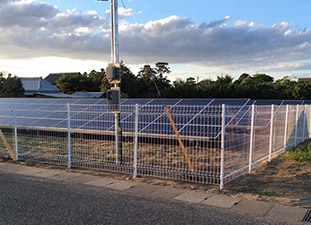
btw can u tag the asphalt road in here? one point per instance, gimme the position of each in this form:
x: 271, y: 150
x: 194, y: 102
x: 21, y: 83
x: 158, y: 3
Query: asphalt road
x: 27, y: 200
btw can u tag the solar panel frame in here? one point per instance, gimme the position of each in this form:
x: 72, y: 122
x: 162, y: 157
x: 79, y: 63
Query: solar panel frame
x: 52, y: 112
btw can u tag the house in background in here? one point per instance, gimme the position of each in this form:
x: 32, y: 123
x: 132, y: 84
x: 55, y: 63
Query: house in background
x: 53, y: 77
x: 36, y: 86
x: 304, y: 79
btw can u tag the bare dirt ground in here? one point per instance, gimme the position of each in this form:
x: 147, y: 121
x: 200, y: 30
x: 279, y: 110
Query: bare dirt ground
x: 284, y: 181
x: 281, y: 181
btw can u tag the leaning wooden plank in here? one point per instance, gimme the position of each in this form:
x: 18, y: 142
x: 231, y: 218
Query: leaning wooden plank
x: 178, y: 137
x: 7, y: 145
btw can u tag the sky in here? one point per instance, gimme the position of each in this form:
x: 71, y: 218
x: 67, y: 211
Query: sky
x: 201, y: 39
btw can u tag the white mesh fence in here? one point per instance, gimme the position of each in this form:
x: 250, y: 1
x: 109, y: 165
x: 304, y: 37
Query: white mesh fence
x: 210, y: 144
x: 260, y: 134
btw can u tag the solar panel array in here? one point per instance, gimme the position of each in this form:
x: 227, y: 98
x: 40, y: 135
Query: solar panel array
x: 93, y: 114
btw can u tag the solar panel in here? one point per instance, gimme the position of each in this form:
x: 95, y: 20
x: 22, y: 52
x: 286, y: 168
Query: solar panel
x: 268, y: 102
x: 192, y: 117
x: 229, y: 101
x: 195, y: 101
x: 292, y: 102
x: 165, y: 102
x: 137, y: 101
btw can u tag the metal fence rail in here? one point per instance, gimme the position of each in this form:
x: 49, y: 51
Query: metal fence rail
x: 210, y: 144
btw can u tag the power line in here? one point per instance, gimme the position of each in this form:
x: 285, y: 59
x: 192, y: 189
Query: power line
x: 123, y: 4
x: 24, y: 68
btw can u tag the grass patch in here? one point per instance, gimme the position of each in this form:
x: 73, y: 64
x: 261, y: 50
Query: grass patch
x: 301, y: 153
x: 267, y: 193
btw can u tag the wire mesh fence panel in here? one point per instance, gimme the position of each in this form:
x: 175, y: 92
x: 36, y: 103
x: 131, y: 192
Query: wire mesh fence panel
x: 93, y: 141
x: 278, y: 129
x: 308, y: 122
x: 300, y: 123
x: 38, y: 138
x: 237, y: 141
x: 7, y: 140
x: 291, y: 126
x: 261, y: 142
x: 164, y: 145
x: 211, y: 144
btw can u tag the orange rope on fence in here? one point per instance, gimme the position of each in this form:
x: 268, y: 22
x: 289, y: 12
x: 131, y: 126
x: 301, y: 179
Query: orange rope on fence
x: 178, y: 137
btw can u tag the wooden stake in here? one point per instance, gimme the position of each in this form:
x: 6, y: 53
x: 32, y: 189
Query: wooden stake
x: 7, y: 145
x: 178, y: 137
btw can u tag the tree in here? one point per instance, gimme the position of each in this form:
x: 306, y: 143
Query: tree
x: 10, y: 86
x: 285, y: 88
x: 263, y: 78
x: 302, y: 90
x: 80, y: 82
x: 191, y: 81
x: 183, y: 89
x: 129, y: 83
x: 97, y: 78
x: 151, y: 81
x: 162, y: 68
x: 206, y: 83
x: 223, y: 87
x: 242, y: 77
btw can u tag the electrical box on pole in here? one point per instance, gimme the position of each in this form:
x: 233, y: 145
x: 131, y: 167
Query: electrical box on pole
x: 113, y: 73
x: 113, y: 99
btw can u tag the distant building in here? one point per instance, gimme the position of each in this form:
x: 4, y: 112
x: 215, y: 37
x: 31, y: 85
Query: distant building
x: 36, y: 86
x: 53, y: 77
x: 304, y: 79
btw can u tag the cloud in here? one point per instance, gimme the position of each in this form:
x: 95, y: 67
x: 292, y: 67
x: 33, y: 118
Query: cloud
x: 214, y: 23
x: 30, y: 29
x: 122, y: 12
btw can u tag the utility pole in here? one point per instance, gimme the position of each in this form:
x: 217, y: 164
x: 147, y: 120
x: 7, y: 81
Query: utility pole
x: 114, y: 76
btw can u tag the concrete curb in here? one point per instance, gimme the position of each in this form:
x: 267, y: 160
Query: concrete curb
x: 256, y: 208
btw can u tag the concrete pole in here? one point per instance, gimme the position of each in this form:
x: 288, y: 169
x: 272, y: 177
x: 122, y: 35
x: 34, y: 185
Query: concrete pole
x: 115, y: 59
x: 114, y: 32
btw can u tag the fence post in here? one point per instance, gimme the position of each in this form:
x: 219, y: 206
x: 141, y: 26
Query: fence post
x: 286, y: 128
x: 68, y: 136
x: 251, y: 141
x: 223, y: 134
x: 304, y: 123
x: 271, y: 132
x: 296, y: 123
x: 136, y: 140
x: 15, y: 131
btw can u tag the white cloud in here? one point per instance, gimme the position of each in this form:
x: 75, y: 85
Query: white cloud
x: 122, y: 12
x: 29, y: 29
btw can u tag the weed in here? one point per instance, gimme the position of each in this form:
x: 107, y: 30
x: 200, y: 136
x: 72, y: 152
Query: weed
x: 267, y: 193
x: 301, y: 153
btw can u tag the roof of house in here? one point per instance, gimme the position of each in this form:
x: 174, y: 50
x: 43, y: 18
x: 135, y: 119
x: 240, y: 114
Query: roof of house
x: 53, y: 77
x: 55, y: 95
x: 37, y: 85
x: 304, y: 79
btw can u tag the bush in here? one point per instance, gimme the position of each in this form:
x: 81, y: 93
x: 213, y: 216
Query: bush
x: 301, y: 153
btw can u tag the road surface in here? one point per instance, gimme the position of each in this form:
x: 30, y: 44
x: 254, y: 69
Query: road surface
x: 30, y: 200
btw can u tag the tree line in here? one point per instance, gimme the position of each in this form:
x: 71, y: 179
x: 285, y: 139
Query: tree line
x: 152, y: 82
